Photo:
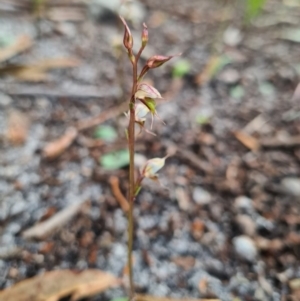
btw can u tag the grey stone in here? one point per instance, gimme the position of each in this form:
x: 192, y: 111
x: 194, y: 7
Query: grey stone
x: 160, y: 289
x: 117, y: 258
x: 5, y: 100
x: 243, y: 203
x: 260, y: 295
x: 13, y: 228
x: 120, y: 221
x: 246, y: 223
x: 241, y: 284
x: 214, y: 285
x: 291, y: 186
x: 9, y: 251
x: 229, y: 76
x: 133, y: 10
x: 201, y: 196
x: 245, y: 247
x: 232, y: 36
x: 148, y: 222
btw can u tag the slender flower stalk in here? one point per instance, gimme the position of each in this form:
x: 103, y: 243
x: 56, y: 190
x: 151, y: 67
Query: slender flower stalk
x: 131, y: 144
x: 142, y: 94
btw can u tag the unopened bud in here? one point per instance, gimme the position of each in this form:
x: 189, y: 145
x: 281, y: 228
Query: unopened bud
x: 144, y: 35
x: 154, y: 62
x: 127, y: 40
x: 158, y: 60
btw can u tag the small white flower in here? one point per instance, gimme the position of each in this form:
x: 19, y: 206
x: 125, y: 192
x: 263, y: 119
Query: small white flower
x: 152, y: 166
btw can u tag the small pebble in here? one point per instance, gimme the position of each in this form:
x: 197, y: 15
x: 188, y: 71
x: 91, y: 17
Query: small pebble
x: 291, y: 186
x: 201, y: 196
x: 229, y: 76
x: 243, y: 203
x: 5, y: 100
x: 232, y: 36
x: 246, y: 224
x: 245, y: 247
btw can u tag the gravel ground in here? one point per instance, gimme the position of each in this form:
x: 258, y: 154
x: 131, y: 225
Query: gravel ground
x: 224, y: 225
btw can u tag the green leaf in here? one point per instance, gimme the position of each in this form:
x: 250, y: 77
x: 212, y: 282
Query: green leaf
x: 202, y: 119
x: 115, y: 160
x: 181, y: 68
x: 237, y: 92
x: 266, y: 89
x: 106, y: 133
x: 253, y: 8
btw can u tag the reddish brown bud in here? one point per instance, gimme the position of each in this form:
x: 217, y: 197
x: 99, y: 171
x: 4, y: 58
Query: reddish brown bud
x: 158, y: 60
x: 127, y: 40
x: 144, y: 35
x: 154, y: 62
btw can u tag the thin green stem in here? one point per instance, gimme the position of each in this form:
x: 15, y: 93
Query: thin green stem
x: 131, y: 146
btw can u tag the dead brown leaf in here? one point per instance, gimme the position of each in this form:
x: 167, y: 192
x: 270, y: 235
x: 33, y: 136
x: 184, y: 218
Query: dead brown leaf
x: 186, y: 263
x: 284, y: 141
x: 57, y: 63
x: 64, y: 14
x: 183, y: 198
x: 213, y: 66
x: 42, y: 229
x: 203, y: 286
x: 114, y: 183
x: 192, y: 158
x: 102, y: 117
x: 27, y: 74
x: 248, y: 141
x: 38, y: 72
x: 18, y: 126
x: 154, y: 298
x: 197, y: 228
x: 57, y: 147
x: 55, y: 285
x: 271, y: 245
x: 21, y: 44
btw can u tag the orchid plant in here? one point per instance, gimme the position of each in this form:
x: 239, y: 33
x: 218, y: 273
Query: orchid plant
x: 142, y: 103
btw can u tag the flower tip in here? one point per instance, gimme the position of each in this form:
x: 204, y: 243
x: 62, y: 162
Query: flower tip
x: 145, y: 35
x: 122, y: 19
x: 127, y: 40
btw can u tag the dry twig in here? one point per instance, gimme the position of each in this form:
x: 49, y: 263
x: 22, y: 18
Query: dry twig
x: 114, y: 183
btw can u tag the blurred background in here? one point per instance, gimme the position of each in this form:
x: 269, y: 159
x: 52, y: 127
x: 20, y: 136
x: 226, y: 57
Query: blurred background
x: 225, y: 222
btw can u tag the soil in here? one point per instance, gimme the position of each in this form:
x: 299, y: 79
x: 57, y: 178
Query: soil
x: 224, y: 221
